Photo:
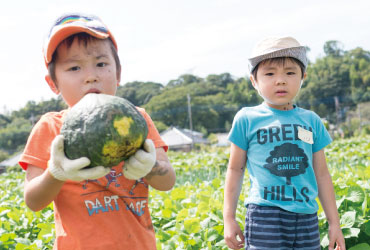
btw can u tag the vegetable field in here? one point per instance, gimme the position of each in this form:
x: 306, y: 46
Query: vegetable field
x: 190, y: 215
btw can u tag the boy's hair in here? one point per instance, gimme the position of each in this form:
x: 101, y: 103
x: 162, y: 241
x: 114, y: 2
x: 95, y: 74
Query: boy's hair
x: 278, y: 61
x: 85, y: 39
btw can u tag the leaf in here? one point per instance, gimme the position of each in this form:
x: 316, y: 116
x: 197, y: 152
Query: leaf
x: 338, y: 203
x: 14, y: 215
x: 21, y: 246
x: 204, y: 195
x: 325, y: 241
x: 203, y: 207
x: 192, y: 242
x: 364, y: 206
x: 219, y: 228
x: 367, y: 228
x: 355, y: 194
x: 45, y: 232
x: 167, y: 203
x: 216, y: 182
x: 348, y: 219
x: 164, y: 236
x: 350, y: 232
x: 362, y: 246
x: 182, y: 214
x: 167, y: 213
x: 212, y: 235
x: 192, y: 225
x: 178, y: 194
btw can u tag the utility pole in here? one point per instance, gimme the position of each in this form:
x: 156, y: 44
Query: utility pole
x: 189, y: 114
x: 337, y: 109
x: 190, y: 121
x: 359, y: 115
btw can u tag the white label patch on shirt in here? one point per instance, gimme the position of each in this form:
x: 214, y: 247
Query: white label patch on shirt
x: 305, y: 135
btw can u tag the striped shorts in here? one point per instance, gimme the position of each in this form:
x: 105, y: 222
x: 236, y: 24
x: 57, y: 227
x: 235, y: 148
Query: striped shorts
x: 274, y: 228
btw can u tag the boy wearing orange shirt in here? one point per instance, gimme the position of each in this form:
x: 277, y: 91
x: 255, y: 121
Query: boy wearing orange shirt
x: 95, y: 208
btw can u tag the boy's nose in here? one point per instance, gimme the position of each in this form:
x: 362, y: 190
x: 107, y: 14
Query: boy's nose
x: 91, y: 80
x: 280, y: 81
x: 91, y: 77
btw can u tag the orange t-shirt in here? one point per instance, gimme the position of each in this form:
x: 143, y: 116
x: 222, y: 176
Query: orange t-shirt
x: 107, y: 213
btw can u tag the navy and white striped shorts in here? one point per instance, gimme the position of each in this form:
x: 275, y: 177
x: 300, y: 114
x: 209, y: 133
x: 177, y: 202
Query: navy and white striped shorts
x: 274, y: 228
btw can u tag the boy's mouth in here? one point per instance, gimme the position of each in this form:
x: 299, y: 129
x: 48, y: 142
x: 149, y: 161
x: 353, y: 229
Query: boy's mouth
x: 281, y: 92
x: 95, y: 91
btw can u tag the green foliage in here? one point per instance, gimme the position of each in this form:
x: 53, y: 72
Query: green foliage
x: 15, y: 134
x: 33, y: 111
x: 190, y: 215
x: 15, y: 128
x: 160, y: 126
x: 139, y: 93
x: 213, y: 101
x: 3, y: 155
x: 21, y: 228
x: 337, y: 81
x: 359, y: 73
x: 349, y: 163
x: 336, y: 85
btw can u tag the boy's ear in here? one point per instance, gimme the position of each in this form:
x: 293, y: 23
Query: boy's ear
x: 119, y: 77
x: 52, y: 84
x: 253, y: 82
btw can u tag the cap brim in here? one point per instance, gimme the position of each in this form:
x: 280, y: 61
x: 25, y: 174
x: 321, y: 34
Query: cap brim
x: 67, y: 31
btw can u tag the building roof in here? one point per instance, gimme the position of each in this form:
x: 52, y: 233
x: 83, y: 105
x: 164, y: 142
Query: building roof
x: 178, y: 137
x: 222, y: 139
x: 12, y: 161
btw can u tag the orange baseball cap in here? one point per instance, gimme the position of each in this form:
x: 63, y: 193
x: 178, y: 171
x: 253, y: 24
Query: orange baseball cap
x: 70, y: 24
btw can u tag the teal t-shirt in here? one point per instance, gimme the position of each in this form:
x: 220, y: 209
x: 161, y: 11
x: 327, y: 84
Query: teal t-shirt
x: 279, y: 155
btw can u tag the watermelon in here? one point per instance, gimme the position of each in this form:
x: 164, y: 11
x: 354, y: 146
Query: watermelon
x: 104, y: 128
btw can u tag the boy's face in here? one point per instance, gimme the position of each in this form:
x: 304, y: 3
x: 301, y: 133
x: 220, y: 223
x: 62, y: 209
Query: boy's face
x: 81, y: 69
x: 278, y: 84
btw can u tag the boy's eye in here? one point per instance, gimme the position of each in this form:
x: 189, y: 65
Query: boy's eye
x: 74, y: 68
x: 101, y: 64
x: 269, y: 74
x: 291, y: 73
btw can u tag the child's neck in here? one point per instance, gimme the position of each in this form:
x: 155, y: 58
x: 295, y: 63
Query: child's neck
x: 284, y: 107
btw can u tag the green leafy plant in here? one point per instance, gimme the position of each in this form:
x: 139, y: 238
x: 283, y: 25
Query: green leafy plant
x: 190, y: 215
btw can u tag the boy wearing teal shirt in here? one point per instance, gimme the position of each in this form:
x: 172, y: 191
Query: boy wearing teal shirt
x: 282, y: 146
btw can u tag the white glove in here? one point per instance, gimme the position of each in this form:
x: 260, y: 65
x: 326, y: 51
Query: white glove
x: 64, y: 169
x: 141, y: 163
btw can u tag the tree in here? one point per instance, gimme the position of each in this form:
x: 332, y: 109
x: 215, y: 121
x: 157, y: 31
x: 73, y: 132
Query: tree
x: 184, y: 80
x: 214, y: 102
x: 327, y: 83
x: 220, y: 80
x: 333, y: 48
x: 4, y: 120
x: 15, y: 135
x: 359, y: 74
x: 139, y: 93
x: 33, y: 111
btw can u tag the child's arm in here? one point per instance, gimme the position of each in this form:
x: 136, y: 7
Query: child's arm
x: 152, y: 164
x: 162, y: 176
x: 40, y: 188
x: 233, y: 185
x: 327, y: 199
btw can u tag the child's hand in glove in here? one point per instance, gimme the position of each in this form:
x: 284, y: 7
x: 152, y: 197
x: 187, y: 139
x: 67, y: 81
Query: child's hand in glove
x: 64, y: 169
x: 141, y: 163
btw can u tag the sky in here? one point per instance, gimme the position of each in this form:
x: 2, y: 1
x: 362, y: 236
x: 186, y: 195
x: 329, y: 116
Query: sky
x: 161, y: 40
